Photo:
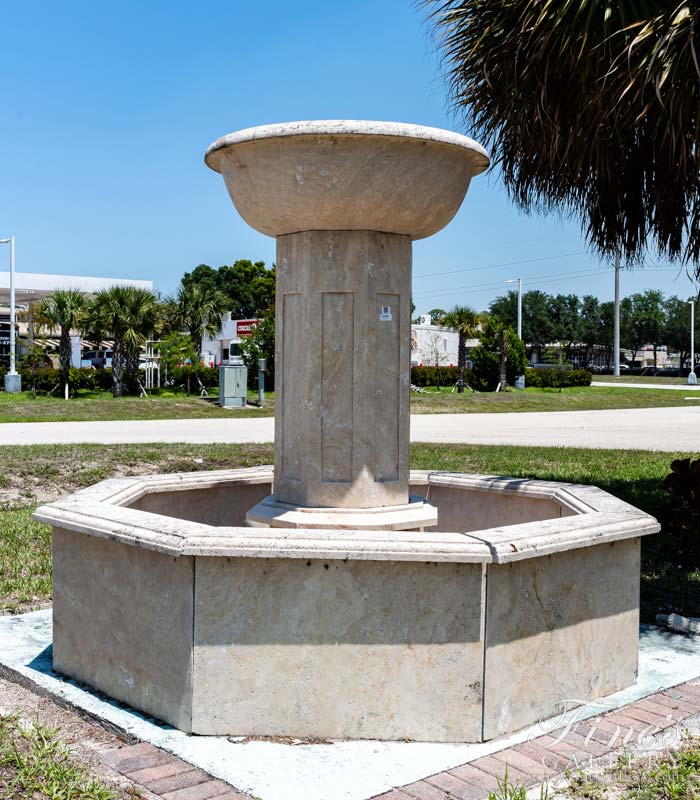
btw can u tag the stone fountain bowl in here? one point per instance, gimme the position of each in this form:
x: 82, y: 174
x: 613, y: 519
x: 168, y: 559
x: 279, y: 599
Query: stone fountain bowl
x: 525, y: 600
x: 347, y: 175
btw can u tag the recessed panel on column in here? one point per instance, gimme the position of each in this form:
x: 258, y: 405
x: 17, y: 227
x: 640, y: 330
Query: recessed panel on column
x: 337, y: 382
x: 387, y: 368
x: 292, y: 404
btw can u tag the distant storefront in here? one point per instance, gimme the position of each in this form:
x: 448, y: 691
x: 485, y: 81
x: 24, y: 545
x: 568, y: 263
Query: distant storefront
x: 225, y: 348
x: 435, y: 346
x: 30, y: 289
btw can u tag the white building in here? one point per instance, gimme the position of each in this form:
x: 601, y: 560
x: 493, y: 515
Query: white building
x: 433, y: 345
x: 224, y: 348
x: 31, y: 287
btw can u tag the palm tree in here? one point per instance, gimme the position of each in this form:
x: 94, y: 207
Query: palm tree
x: 466, y: 322
x: 128, y: 315
x: 200, y: 312
x: 591, y: 107
x: 64, y: 309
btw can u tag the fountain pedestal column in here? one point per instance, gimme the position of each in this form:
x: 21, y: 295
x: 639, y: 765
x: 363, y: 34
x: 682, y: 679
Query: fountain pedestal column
x: 342, y: 377
x: 342, y: 369
x: 344, y: 199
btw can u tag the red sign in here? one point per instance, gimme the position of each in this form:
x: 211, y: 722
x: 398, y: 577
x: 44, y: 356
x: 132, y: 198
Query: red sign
x: 245, y: 327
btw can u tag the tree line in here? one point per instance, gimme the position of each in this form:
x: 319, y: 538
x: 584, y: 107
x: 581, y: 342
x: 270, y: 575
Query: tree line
x: 130, y: 316
x: 586, y: 323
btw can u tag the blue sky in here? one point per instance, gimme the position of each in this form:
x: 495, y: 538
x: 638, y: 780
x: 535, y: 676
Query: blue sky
x: 107, y: 109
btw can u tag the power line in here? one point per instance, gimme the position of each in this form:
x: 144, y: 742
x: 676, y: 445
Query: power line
x: 497, y: 284
x: 554, y: 277
x: 504, y: 264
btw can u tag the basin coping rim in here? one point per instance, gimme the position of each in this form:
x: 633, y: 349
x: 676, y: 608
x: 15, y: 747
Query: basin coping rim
x: 94, y: 512
x: 343, y: 127
x: 562, y: 534
x: 580, y: 498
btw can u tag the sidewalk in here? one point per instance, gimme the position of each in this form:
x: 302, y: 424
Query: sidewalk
x: 675, y: 429
x: 680, y: 387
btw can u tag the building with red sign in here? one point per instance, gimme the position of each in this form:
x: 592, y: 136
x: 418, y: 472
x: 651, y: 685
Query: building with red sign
x: 224, y: 348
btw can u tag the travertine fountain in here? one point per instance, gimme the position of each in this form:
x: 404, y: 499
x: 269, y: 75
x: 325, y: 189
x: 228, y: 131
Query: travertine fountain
x: 341, y: 595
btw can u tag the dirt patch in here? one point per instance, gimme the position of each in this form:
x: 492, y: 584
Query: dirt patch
x: 41, y: 474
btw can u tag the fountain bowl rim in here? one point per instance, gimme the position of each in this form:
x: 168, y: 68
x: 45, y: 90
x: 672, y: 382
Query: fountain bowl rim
x: 349, y: 128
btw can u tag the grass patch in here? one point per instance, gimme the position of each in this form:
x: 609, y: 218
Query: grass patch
x: 90, y: 406
x: 661, y: 380
x: 671, y: 775
x: 95, y: 406
x: 25, y: 559
x: 35, y: 764
x: 575, y: 398
x: 38, y: 473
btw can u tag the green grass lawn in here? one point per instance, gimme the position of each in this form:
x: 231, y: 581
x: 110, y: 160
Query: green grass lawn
x: 96, y: 406
x: 100, y: 405
x: 36, y: 764
x: 671, y: 560
x: 660, y: 379
x: 577, y: 398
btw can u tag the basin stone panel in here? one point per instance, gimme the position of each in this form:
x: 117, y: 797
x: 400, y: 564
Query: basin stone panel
x: 298, y: 633
x: 434, y: 636
x: 560, y: 630
x: 123, y: 623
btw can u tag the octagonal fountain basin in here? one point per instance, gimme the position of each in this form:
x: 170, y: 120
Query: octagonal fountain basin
x: 523, y: 599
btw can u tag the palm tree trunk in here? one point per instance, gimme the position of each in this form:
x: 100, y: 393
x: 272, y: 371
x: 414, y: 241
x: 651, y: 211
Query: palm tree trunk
x: 117, y: 369
x: 64, y: 358
x: 132, y: 369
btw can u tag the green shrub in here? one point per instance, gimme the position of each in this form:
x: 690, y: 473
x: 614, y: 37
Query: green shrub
x: 557, y: 378
x: 185, y: 376
x: 47, y: 378
x: 438, y: 376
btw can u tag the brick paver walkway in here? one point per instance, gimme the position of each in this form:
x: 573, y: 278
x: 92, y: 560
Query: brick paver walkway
x: 528, y: 763
x: 167, y: 776
x: 547, y: 756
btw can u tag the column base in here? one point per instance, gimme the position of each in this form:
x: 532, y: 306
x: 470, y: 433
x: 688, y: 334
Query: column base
x: 414, y: 515
x: 13, y: 383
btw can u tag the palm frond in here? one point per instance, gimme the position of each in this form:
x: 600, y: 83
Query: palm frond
x: 589, y: 107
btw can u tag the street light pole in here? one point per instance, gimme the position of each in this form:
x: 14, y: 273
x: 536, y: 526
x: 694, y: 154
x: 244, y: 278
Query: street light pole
x: 616, y: 330
x: 692, y: 378
x: 13, y: 381
x: 520, y: 380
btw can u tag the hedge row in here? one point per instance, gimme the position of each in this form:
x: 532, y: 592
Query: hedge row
x: 46, y: 378
x: 557, y: 378
x: 437, y: 376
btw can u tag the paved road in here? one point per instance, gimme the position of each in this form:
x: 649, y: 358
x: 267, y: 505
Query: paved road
x: 680, y: 387
x: 667, y: 429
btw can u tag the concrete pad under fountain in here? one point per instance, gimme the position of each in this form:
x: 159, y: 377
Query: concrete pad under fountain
x: 340, y: 595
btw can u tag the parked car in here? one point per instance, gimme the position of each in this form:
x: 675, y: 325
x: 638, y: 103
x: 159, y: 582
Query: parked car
x: 97, y: 359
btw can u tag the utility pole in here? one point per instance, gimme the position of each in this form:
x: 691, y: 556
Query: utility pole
x: 616, y: 333
x: 13, y: 381
x: 520, y: 380
x: 692, y: 378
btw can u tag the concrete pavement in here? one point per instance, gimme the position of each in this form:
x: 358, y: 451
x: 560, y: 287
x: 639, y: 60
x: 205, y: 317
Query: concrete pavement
x: 664, y: 429
x: 679, y: 387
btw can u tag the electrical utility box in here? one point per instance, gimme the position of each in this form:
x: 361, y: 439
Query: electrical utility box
x: 233, y: 386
